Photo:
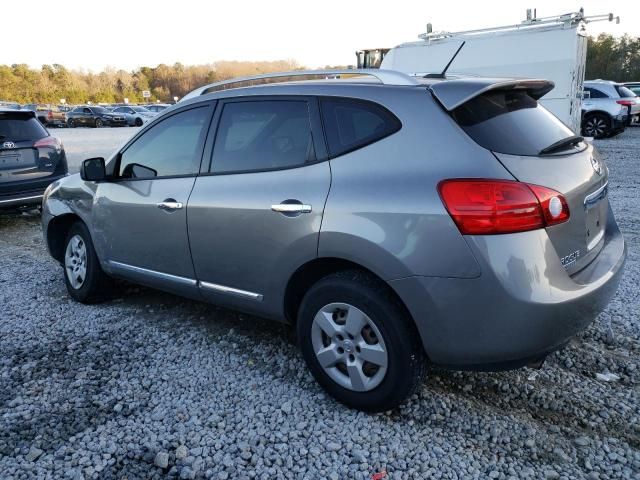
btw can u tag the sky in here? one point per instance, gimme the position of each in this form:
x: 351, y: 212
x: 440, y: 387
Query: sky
x: 91, y: 35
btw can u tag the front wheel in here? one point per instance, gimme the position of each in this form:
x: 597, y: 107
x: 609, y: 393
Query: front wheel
x: 99, y: 123
x: 596, y: 126
x: 359, y: 342
x: 84, y: 278
x: 138, y: 122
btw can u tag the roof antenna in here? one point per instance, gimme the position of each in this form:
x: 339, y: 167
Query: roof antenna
x: 442, y: 74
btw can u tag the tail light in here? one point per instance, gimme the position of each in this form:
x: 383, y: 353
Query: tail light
x: 489, y: 207
x: 51, y: 142
x: 626, y: 103
x: 50, y: 114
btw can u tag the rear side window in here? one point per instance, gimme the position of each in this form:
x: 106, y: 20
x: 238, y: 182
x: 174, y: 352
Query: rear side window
x: 510, y: 121
x: 16, y: 127
x: 595, y: 93
x: 262, y: 135
x: 351, y: 124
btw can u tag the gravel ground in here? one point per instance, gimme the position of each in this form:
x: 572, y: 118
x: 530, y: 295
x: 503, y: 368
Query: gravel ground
x: 152, y: 386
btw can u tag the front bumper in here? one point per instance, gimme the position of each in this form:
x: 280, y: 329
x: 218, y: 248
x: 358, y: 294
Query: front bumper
x: 522, y: 307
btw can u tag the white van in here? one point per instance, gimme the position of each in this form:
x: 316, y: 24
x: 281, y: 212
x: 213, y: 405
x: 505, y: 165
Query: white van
x: 553, y: 48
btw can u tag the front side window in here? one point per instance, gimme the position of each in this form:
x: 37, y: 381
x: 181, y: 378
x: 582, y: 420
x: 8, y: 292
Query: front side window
x: 171, y: 147
x: 262, y: 135
x: 351, y: 124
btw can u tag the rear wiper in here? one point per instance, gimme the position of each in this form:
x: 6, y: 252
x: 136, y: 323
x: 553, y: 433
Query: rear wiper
x: 562, y: 144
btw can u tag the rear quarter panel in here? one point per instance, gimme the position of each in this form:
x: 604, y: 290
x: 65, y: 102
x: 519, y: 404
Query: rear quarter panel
x: 384, y: 211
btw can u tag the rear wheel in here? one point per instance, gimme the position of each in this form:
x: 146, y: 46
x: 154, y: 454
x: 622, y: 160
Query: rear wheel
x: 596, y: 125
x: 359, y: 343
x: 84, y: 278
x: 71, y: 123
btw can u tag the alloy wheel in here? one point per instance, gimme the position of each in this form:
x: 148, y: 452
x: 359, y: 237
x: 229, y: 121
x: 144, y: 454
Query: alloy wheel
x: 595, y: 127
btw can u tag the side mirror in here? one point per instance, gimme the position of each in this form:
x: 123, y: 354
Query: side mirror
x: 586, y: 95
x: 93, y: 170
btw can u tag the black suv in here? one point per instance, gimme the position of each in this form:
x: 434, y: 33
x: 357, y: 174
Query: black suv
x: 94, y: 116
x: 30, y: 159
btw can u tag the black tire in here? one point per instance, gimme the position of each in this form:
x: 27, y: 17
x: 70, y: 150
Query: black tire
x: 99, y: 123
x: 97, y: 286
x: 596, y: 125
x: 406, y: 359
x: 138, y: 122
x: 71, y: 123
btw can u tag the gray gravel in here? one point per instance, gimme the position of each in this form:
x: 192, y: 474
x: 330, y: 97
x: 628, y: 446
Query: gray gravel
x: 153, y: 386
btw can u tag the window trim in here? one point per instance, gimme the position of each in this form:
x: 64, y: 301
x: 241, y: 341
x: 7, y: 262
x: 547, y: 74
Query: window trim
x: 114, y: 166
x: 315, y: 124
x: 352, y: 100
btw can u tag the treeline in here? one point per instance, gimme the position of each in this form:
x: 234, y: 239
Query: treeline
x: 613, y: 58
x: 608, y: 57
x: 52, y: 82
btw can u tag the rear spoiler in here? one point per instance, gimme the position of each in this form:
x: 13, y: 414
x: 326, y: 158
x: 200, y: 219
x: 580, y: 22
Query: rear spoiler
x: 453, y: 93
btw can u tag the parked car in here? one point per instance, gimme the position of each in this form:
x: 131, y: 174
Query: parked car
x: 635, y: 88
x: 607, y: 108
x: 49, y: 115
x: 30, y: 159
x: 135, y: 115
x: 7, y: 105
x: 93, y: 116
x: 157, y: 107
x: 455, y: 220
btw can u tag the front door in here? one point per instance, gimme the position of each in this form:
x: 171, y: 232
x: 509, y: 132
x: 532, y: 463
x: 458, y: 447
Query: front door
x: 140, y: 218
x: 256, y: 217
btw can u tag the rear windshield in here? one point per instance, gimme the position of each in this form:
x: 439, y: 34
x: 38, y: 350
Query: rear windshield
x: 624, y: 92
x: 18, y: 127
x: 510, y: 121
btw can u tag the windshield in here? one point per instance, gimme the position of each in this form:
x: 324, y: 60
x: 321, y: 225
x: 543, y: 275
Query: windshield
x: 140, y: 109
x: 18, y: 127
x: 511, y: 122
x: 624, y: 92
x: 100, y: 110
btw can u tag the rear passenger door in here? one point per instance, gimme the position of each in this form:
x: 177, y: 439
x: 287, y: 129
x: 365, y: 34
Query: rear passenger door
x: 255, y: 217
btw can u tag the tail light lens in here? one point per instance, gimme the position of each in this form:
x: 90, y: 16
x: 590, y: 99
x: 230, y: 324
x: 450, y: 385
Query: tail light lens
x: 51, y: 142
x: 626, y: 103
x: 489, y: 207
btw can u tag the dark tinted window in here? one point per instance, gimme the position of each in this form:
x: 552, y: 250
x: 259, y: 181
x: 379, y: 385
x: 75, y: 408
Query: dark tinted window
x: 624, y: 92
x: 351, y: 124
x: 16, y: 127
x: 262, y: 135
x: 510, y: 121
x: 595, y: 93
x: 171, y: 147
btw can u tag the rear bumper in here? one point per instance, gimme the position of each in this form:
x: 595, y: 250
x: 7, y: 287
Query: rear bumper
x: 522, y: 307
x: 29, y: 194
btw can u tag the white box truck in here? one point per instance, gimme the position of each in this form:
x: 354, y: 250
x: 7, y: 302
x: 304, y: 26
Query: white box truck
x: 553, y: 48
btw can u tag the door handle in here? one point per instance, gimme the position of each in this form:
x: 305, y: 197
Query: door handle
x: 169, y: 205
x: 291, y: 208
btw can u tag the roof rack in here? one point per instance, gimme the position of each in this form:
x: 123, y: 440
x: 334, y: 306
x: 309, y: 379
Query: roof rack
x: 567, y: 20
x: 386, y: 77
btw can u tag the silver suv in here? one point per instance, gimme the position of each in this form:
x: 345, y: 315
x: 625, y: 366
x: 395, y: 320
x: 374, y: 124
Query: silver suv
x: 608, y: 107
x: 453, y: 220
